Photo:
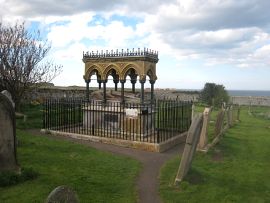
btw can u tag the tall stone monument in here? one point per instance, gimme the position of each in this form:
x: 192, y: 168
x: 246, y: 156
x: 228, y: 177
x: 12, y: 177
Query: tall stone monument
x: 8, y: 155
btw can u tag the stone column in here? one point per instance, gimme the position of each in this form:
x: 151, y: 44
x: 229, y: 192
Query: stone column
x: 87, y: 89
x: 133, y: 82
x: 115, y: 84
x: 104, y: 91
x: 99, y: 81
x: 142, y: 90
x: 122, y: 90
x: 152, y: 82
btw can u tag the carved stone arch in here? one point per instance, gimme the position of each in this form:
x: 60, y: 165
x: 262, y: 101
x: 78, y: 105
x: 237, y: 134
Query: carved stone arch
x: 143, y: 77
x: 107, y: 70
x: 142, y: 63
x: 150, y: 73
x: 91, y: 70
x: 127, y: 68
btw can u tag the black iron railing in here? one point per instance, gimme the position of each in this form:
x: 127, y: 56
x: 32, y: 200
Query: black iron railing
x: 154, y: 123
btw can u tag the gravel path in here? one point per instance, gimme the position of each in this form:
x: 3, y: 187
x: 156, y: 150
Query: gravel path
x: 148, y: 180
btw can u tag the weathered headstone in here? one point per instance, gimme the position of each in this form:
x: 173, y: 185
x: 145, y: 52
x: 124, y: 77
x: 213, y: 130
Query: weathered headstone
x: 190, y: 147
x: 238, y: 113
x: 8, y: 158
x: 231, y: 121
x: 62, y: 194
x: 192, y: 111
x: 8, y: 95
x: 219, y: 122
x: 204, y: 133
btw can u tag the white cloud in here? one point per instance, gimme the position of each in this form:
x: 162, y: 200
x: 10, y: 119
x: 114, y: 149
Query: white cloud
x: 214, y: 32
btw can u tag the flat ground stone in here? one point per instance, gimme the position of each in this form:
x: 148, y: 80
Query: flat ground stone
x: 62, y: 194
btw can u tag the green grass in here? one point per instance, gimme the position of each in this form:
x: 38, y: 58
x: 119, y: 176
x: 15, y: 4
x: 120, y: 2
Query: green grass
x: 236, y: 170
x: 96, y: 176
x: 34, y: 117
x: 261, y: 112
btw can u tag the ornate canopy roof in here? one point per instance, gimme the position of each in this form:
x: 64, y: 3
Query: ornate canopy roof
x: 119, y: 64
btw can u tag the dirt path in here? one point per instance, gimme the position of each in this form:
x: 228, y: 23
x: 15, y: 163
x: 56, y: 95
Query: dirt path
x: 147, y: 182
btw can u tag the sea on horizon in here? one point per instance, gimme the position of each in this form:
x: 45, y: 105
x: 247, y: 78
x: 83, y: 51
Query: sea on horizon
x: 252, y: 93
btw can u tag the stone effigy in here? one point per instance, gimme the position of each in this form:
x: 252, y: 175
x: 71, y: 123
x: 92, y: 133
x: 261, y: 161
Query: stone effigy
x: 8, y: 158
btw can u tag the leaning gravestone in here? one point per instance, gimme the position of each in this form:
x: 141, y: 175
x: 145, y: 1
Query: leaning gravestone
x: 219, y: 123
x: 62, y: 194
x: 8, y: 95
x: 203, y: 141
x: 190, y: 147
x: 8, y: 158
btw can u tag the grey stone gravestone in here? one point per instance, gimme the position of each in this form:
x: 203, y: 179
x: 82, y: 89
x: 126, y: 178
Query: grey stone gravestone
x: 8, y: 158
x: 62, y: 194
x: 219, y: 122
x: 203, y: 141
x: 8, y: 95
x: 238, y: 113
x: 190, y: 147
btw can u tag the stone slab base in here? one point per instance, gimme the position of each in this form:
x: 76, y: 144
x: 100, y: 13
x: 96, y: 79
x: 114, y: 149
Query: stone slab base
x: 152, y: 147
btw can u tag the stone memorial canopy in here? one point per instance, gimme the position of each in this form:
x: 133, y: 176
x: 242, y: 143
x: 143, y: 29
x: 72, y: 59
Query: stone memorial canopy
x: 138, y: 63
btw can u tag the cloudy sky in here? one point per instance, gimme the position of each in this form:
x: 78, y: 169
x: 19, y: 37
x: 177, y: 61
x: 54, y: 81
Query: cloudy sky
x: 199, y: 41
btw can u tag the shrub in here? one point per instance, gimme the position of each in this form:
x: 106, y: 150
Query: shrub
x: 8, y: 178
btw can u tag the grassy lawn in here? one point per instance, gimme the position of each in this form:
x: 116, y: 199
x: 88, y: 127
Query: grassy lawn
x: 236, y: 170
x: 96, y: 176
x: 34, y: 117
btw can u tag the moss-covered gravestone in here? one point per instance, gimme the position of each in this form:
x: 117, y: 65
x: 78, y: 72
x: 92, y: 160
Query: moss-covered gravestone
x: 8, y: 158
x: 62, y: 194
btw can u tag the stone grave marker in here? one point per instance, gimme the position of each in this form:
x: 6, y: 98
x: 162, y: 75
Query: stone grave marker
x: 8, y: 155
x: 62, y: 194
x: 238, y: 113
x: 219, y: 122
x: 231, y: 121
x: 190, y: 147
x: 204, y: 133
x: 8, y: 95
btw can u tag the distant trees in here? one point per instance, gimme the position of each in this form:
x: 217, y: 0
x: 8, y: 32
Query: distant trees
x: 213, y: 94
x: 22, y: 62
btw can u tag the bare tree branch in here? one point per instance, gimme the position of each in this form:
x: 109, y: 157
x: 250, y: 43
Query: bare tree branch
x: 22, y: 62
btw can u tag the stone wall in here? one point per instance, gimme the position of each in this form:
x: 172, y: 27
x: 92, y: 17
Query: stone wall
x: 41, y: 93
x: 54, y: 92
x: 254, y: 101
